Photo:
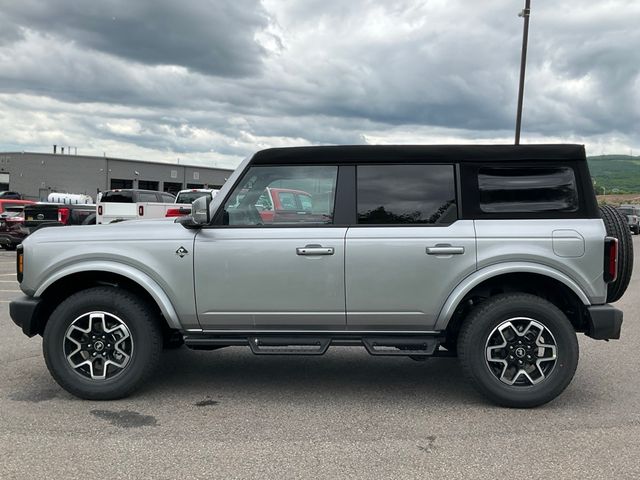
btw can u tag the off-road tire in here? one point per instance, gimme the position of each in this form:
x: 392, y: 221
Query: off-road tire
x: 146, y: 336
x: 616, y: 225
x: 479, y: 325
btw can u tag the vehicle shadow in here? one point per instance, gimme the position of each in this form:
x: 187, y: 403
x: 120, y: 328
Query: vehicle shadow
x: 341, y: 374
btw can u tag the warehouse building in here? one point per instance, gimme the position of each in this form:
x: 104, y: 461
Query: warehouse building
x: 35, y: 175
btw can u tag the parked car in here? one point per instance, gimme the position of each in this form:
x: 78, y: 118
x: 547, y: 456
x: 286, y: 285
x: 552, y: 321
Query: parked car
x: 185, y: 198
x: 415, y: 251
x: 278, y: 205
x: 52, y: 214
x: 24, y: 220
x: 11, y: 227
x: 632, y: 213
x: 8, y: 203
x: 130, y: 204
x: 190, y: 195
x: 10, y: 195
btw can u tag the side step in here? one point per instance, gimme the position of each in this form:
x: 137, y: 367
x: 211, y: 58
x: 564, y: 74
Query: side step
x: 289, y: 345
x: 317, y: 344
x: 392, y: 345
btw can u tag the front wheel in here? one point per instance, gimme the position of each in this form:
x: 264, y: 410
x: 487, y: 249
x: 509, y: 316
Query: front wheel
x: 101, y: 343
x: 518, y: 349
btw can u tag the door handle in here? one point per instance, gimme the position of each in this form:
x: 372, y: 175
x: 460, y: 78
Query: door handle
x: 445, y: 250
x: 315, y: 250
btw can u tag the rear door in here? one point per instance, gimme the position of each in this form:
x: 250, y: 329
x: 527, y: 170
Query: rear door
x: 408, y: 250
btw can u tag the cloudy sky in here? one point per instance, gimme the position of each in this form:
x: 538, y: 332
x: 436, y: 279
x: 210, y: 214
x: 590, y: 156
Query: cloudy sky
x: 210, y: 81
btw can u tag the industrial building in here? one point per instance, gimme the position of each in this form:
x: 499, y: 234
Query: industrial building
x: 35, y: 175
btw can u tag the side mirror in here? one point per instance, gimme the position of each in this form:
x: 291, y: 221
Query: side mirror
x: 200, y: 210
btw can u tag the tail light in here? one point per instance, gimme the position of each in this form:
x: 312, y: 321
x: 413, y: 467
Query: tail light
x: 140, y: 211
x: 63, y: 215
x: 99, y: 209
x: 610, y: 259
x: 19, y: 262
x: 177, y: 212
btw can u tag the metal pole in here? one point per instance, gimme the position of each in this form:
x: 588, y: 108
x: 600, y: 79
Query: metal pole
x: 526, y: 13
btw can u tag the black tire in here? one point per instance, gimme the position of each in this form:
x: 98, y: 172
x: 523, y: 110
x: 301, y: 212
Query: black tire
x: 145, y: 337
x: 636, y: 230
x: 616, y: 225
x: 90, y: 220
x: 481, y: 325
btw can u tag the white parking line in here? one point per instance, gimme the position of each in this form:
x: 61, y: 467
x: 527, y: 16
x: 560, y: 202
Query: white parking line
x: 6, y: 274
x: 8, y: 281
x: 16, y: 291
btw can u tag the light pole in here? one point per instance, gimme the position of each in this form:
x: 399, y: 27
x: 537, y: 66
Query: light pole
x: 526, y: 13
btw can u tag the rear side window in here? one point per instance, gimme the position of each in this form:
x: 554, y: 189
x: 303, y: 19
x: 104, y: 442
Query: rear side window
x: 147, y: 197
x: 406, y: 194
x: 119, y: 197
x: 527, y: 189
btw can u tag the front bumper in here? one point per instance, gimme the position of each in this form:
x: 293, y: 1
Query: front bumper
x: 604, y: 322
x: 24, y: 312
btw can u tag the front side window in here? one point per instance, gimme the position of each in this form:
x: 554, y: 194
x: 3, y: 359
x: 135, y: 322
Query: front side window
x: 406, y: 194
x: 527, y: 189
x: 271, y: 195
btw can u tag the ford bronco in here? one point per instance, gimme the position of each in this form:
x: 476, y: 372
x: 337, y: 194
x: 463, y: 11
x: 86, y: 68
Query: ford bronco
x: 497, y: 255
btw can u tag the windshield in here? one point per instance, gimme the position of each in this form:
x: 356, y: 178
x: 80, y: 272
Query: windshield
x: 190, y: 197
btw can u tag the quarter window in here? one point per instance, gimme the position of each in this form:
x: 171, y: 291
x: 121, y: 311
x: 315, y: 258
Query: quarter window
x: 527, y: 189
x: 406, y: 194
x: 283, y: 195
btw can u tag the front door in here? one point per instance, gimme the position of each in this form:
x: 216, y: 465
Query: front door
x: 408, y: 250
x: 266, y: 271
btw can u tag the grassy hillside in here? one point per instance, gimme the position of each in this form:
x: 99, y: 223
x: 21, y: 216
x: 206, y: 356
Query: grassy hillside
x: 616, y: 172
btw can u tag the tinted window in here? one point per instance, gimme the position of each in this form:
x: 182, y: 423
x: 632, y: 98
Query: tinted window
x: 147, y: 197
x: 401, y: 194
x: 527, y: 190
x: 190, y: 197
x: 167, y: 198
x: 120, y: 197
x: 254, y: 202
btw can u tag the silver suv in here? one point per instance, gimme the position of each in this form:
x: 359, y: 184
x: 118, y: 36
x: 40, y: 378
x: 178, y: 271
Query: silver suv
x: 495, y: 254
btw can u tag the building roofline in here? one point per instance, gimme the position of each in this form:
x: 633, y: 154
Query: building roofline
x: 150, y: 162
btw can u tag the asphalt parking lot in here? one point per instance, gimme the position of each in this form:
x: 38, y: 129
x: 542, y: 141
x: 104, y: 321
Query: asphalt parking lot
x: 229, y: 414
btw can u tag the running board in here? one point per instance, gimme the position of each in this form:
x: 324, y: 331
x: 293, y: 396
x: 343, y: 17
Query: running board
x: 289, y: 345
x: 314, y: 344
x: 414, y: 346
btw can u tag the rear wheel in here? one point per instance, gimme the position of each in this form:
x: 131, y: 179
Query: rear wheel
x: 518, y: 349
x: 101, y: 343
x: 617, y: 226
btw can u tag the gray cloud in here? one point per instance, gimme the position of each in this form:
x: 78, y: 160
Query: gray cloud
x: 213, y: 37
x: 220, y: 79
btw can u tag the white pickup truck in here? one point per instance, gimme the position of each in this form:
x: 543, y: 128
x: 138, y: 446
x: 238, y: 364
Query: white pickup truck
x: 130, y: 204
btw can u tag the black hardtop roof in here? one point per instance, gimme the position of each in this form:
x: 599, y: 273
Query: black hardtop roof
x: 420, y: 153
